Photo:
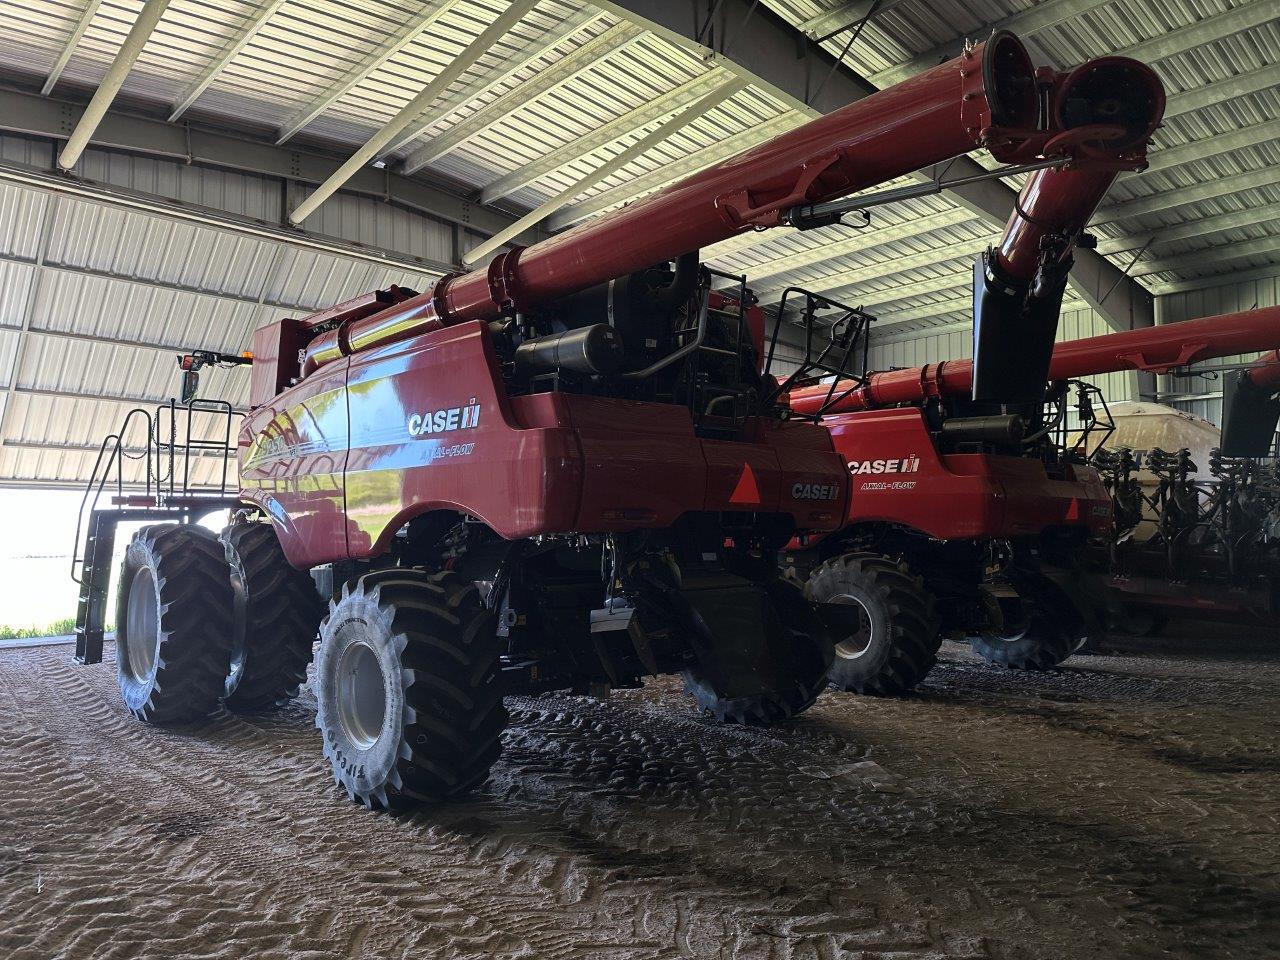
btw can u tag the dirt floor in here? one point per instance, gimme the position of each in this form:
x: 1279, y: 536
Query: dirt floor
x: 1125, y: 807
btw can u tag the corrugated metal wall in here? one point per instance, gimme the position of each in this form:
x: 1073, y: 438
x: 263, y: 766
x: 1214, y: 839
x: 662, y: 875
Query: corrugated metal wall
x: 1198, y: 395
x: 108, y: 294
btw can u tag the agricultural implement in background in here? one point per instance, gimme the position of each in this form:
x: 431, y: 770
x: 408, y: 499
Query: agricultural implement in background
x: 1211, y: 549
x: 564, y: 471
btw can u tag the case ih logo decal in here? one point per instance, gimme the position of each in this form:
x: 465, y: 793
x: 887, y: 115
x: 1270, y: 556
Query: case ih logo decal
x: 443, y: 421
x: 905, y: 465
x: 814, y: 491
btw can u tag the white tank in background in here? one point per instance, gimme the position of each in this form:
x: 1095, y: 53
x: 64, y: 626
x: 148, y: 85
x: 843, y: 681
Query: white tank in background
x: 1142, y: 426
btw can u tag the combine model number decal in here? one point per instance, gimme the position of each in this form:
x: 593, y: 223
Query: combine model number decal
x: 443, y: 421
x: 903, y: 465
x: 814, y: 491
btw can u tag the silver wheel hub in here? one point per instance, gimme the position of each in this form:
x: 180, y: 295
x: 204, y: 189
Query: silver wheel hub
x: 240, y: 608
x: 855, y: 644
x: 361, y: 694
x: 142, y: 625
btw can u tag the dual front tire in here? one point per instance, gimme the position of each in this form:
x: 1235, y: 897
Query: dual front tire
x: 406, y: 679
x: 203, y: 620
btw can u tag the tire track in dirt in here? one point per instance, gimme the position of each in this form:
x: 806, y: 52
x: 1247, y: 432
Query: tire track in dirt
x: 630, y: 828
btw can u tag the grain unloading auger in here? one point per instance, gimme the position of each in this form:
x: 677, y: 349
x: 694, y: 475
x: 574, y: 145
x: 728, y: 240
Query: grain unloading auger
x: 564, y: 471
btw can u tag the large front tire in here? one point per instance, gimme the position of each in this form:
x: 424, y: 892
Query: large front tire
x: 173, y: 624
x: 277, y: 614
x: 897, y: 639
x: 410, y: 704
x: 803, y: 651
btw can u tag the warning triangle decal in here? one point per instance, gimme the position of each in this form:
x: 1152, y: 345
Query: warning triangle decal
x: 746, y: 491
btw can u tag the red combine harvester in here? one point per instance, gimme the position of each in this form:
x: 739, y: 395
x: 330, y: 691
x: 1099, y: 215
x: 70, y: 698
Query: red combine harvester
x: 983, y: 533
x: 565, y: 471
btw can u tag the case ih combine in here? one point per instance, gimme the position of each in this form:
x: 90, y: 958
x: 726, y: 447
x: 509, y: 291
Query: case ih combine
x: 1000, y: 534
x: 565, y: 471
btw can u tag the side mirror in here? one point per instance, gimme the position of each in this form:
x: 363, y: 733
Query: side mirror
x: 190, y: 385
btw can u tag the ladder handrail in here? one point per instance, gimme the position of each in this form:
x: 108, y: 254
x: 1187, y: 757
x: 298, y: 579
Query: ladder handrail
x: 101, y: 474
x: 113, y: 452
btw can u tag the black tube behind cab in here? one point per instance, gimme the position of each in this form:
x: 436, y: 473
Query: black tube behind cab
x: 1001, y: 429
x: 596, y: 349
x: 639, y: 306
x: 1013, y: 333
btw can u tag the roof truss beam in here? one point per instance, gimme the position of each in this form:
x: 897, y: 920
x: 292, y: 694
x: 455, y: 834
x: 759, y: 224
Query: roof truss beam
x: 1202, y: 32
x: 26, y: 113
x: 630, y: 122
x: 534, y: 49
x: 860, y: 241
x: 1232, y: 88
x: 228, y: 53
x: 844, y: 283
x: 846, y: 15
x: 428, y: 95
x: 359, y: 72
x: 562, y: 71
x: 1052, y: 12
x: 146, y: 23
x: 674, y: 171
x: 1242, y: 139
x: 1234, y: 279
x: 1235, y: 220
x: 963, y: 305
x: 1267, y: 176
x: 1040, y: 16
x: 671, y: 125
x: 1210, y: 257
x: 68, y: 48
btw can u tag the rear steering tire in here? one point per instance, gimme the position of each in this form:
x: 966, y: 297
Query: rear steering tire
x: 804, y: 644
x: 897, y: 641
x: 277, y: 614
x: 173, y: 624
x: 410, y: 704
x: 1051, y: 631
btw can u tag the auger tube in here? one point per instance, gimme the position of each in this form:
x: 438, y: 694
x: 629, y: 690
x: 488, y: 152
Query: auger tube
x: 987, y: 97
x: 1155, y: 349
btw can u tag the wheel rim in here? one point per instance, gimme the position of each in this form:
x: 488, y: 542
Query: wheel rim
x: 142, y: 626
x: 361, y: 694
x: 859, y: 642
x: 239, y: 607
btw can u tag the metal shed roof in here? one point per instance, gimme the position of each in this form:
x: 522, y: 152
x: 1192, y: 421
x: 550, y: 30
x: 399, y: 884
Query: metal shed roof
x: 572, y: 111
